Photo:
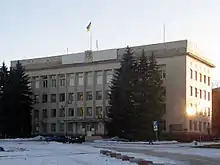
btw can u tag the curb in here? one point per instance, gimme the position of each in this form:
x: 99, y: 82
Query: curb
x: 127, y: 158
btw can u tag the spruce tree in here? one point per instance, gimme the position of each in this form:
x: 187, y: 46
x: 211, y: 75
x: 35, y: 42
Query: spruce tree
x: 3, y: 112
x: 121, y: 110
x: 19, y: 102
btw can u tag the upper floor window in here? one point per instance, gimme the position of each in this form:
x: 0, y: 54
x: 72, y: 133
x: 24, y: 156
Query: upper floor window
x: 53, y: 112
x: 89, y: 78
x: 62, y: 97
x: 191, y: 73
x: 205, y: 79
x: 70, y: 97
x: 196, y: 92
x: 209, y: 96
x: 200, y: 93
x: 200, y: 77
x: 79, y: 96
x: 71, y: 111
x: 62, y: 80
x: 80, y: 80
x: 88, y: 95
x: 98, y: 95
x: 53, y: 98
x: 44, y: 81
x: 53, y: 81
x: 205, y: 94
x: 99, y: 77
x: 44, y: 98
x: 71, y: 79
x: 109, y: 76
x: 37, y: 82
x: 36, y: 99
x: 44, y: 114
x: 209, y: 81
x: 195, y: 75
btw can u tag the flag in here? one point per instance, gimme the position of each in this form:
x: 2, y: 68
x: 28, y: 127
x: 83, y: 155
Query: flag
x: 89, y: 26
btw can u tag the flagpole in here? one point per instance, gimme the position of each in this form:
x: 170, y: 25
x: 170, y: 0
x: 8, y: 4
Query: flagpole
x: 90, y: 39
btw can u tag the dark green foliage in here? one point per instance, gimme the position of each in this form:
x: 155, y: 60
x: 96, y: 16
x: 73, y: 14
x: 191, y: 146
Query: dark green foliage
x: 121, y: 103
x: 136, y: 98
x: 17, y: 100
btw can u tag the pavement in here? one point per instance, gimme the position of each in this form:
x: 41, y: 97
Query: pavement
x: 188, y: 159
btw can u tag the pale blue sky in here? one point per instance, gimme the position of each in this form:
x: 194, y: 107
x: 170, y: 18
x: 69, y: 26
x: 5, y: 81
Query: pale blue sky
x: 36, y: 28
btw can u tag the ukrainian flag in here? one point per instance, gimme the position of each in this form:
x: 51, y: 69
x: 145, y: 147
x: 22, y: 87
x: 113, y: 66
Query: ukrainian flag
x: 88, y: 27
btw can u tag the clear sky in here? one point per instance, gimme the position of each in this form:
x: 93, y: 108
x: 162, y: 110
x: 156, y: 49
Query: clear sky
x: 36, y: 28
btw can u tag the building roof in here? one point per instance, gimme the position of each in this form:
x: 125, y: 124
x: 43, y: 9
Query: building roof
x: 161, y: 50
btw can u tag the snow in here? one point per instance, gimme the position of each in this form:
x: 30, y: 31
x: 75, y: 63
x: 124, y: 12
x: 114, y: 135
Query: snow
x: 53, y: 153
x: 37, y: 138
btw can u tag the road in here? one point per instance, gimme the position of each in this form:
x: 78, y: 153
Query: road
x: 188, y: 158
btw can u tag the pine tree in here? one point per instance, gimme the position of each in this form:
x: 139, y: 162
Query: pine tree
x: 18, y: 98
x: 3, y: 112
x: 121, y: 104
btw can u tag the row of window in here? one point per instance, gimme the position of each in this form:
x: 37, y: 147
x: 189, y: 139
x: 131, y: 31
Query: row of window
x: 71, y: 112
x: 202, y: 94
x: 72, y: 79
x: 197, y: 126
x: 71, y: 97
x: 199, y: 77
x: 61, y: 125
x: 206, y: 111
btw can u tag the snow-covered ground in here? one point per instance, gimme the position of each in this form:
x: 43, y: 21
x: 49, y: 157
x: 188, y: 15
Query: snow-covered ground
x: 43, y: 153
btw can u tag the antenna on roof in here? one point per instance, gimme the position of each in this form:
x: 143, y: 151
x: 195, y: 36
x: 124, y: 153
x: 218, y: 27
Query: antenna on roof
x: 67, y: 51
x: 97, y: 45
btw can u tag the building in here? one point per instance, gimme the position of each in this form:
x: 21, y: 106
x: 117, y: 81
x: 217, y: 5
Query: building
x: 216, y: 112
x: 77, y: 85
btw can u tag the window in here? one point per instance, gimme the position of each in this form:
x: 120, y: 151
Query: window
x: 200, y: 126
x: 44, y: 114
x: 71, y: 79
x: 36, y: 114
x: 80, y: 80
x: 70, y: 97
x: 62, y: 80
x: 89, y: 78
x: 204, y: 127
x: 79, y: 96
x: 209, y: 81
x: 200, y: 94
x: 70, y: 127
x: 109, y: 76
x: 80, y: 111
x: 44, y: 98
x: 196, y: 92
x: 204, y: 94
x: 62, y: 97
x: 200, y: 77
x: 190, y: 124
x: 71, y: 111
x: 36, y: 99
x: 191, y: 73
x: 53, y: 127
x: 88, y: 111
x: 53, y: 81
x: 53, y: 112
x: 195, y: 75
x: 195, y: 125
x: 37, y: 83
x: 62, y: 112
x: 45, y: 85
x: 191, y: 90
x: 209, y: 96
x: 98, y: 95
x: 88, y: 95
x: 205, y: 79
x: 209, y: 112
x: 53, y: 98
x: 61, y: 127
x: 99, y: 77
x: 107, y: 93
x: 98, y: 112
